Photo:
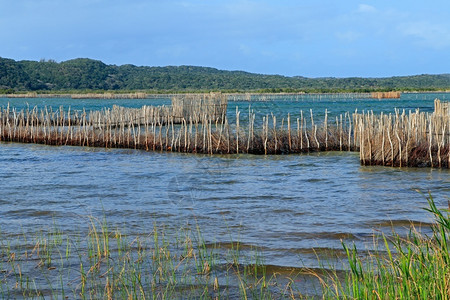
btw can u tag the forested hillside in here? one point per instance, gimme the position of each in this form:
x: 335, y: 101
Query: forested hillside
x: 84, y: 74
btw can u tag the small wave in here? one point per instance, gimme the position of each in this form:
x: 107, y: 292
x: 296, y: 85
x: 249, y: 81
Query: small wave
x: 398, y: 223
x: 322, y: 235
x: 29, y: 213
x: 313, y: 180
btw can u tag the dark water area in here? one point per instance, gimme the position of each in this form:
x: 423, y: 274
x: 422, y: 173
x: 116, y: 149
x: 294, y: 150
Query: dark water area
x: 293, y: 207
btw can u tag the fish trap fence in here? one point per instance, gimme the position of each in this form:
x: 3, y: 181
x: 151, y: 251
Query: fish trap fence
x: 413, y: 139
x: 211, y: 106
x: 441, y: 108
x: 124, y: 116
x: 197, y: 108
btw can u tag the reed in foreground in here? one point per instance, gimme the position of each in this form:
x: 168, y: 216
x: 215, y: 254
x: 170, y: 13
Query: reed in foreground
x: 412, y: 267
x: 108, y: 264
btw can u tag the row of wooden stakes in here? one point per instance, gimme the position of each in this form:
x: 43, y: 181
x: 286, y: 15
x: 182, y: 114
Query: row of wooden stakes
x: 414, y: 139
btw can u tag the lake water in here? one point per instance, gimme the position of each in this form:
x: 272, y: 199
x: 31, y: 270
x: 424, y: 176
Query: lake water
x: 292, y: 207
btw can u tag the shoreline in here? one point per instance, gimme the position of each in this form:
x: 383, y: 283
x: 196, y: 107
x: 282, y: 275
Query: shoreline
x: 234, y: 95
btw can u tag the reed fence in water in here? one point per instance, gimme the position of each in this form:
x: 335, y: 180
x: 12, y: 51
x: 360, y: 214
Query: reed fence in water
x: 198, y: 108
x: 198, y: 134
x: 400, y: 139
x: 414, y: 139
x: 385, y: 95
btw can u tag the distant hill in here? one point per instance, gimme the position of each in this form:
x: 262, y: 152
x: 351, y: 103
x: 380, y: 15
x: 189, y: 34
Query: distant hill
x: 85, y: 74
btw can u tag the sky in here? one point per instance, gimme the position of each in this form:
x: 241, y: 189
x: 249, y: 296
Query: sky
x: 311, y: 38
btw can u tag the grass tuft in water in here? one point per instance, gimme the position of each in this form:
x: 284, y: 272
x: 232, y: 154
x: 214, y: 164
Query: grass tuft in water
x: 411, y: 267
x: 105, y: 263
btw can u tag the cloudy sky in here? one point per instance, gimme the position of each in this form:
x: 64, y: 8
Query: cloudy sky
x: 313, y: 38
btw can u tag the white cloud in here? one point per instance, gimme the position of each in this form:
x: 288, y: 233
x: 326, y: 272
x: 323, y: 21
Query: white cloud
x: 365, y: 8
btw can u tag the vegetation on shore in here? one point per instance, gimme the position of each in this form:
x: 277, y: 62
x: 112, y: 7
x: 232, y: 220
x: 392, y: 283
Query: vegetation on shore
x: 88, y: 76
x: 105, y: 263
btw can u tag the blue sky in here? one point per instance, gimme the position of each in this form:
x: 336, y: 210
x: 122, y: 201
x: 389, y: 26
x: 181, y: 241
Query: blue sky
x: 313, y: 38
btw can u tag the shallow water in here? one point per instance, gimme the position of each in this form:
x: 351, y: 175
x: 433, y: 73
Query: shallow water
x: 287, y: 205
x: 292, y: 207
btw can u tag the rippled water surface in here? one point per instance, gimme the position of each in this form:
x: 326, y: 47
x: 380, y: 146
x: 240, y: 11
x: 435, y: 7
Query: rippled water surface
x: 286, y: 205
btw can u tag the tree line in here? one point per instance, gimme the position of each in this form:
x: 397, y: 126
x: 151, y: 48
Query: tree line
x: 87, y: 75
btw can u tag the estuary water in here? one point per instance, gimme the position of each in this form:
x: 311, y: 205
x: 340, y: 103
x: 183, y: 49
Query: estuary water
x: 292, y: 207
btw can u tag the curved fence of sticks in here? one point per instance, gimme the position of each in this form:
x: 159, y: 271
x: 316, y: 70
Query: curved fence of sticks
x: 198, y: 108
x: 415, y: 139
